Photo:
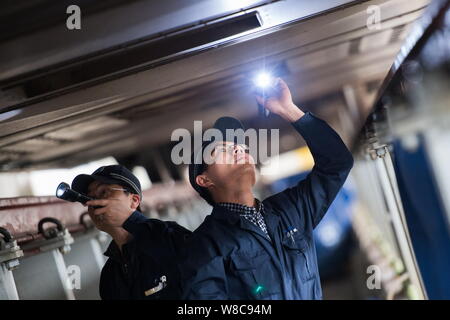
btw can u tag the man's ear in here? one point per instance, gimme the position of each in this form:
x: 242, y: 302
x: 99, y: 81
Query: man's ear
x: 203, y: 181
x: 135, y: 201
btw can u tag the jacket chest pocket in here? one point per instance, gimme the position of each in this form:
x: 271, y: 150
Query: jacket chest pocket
x: 256, y: 274
x: 298, y: 250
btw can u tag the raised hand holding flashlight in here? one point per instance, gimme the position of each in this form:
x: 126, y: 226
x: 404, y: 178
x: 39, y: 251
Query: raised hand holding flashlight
x: 279, y: 101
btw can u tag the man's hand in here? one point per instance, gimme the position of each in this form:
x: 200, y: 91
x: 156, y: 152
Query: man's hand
x: 281, y: 102
x: 113, y: 214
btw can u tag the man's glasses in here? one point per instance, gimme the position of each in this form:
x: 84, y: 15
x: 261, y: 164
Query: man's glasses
x: 105, y: 193
x: 229, y: 148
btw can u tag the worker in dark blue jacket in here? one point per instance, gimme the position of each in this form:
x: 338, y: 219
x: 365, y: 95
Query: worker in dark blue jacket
x: 251, y: 249
x: 143, y: 253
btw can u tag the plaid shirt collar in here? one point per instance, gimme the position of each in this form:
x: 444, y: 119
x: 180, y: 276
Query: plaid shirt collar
x: 242, y: 209
x: 252, y: 214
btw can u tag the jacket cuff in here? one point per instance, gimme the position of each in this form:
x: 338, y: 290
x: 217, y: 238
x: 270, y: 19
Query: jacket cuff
x: 311, y: 127
x: 302, y: 123
x: 134, y: 222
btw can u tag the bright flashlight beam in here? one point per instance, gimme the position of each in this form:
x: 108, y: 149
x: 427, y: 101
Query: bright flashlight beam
x: 263, y: 80
x: 60, y: 192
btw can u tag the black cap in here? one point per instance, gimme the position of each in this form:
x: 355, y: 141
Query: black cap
x: 114, y: 174
x: 196, y: 169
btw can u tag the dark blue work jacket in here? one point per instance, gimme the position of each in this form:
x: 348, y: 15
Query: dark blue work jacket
x: 231, y: 258
x: 146, y: 267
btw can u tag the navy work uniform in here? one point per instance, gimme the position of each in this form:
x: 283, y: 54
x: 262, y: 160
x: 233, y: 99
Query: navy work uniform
x: 232, y: 257
x: 146, y: 267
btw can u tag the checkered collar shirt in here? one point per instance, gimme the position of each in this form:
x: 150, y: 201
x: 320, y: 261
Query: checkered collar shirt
x: 252, y: 214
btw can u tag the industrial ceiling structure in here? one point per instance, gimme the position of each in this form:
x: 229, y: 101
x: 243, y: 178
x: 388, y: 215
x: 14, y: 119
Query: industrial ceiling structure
x: 137, y: 70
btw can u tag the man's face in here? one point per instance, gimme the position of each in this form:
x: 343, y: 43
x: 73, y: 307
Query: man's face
x: 232, y: 163
x: 98, y: 190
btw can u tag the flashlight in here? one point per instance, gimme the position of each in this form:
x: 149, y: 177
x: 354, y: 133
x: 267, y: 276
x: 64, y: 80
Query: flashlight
x: 265, y: 86
x: 64, y: 192
x: 263, y: 80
